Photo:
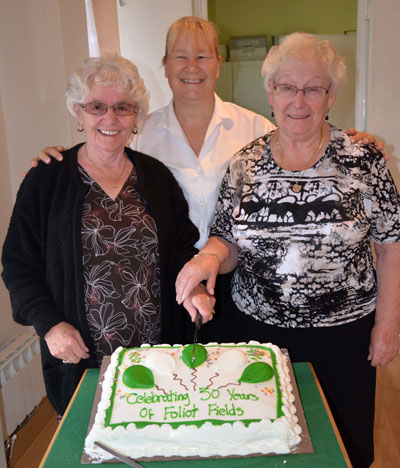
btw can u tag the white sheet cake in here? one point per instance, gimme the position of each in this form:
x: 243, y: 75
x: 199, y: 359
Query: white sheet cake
x: 233, y: 399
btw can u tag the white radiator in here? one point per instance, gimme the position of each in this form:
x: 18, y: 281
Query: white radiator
x: 21, y: 379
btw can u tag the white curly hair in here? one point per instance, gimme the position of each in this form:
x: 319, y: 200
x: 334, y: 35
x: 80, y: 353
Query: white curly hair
x: 108, y: 70
x: 304, y: 47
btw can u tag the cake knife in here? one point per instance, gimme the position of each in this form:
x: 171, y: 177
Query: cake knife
x: 118, y: 455
x: 199, y: 323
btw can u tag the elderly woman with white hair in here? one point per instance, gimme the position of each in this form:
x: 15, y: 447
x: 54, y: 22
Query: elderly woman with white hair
x: 297, y: 211
x: 95, y: 242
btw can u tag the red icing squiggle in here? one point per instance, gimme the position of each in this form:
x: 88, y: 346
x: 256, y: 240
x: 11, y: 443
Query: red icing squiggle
x: 194, y: 378
x: 232, y: 383
x: 210, y: 380
x: 180, y: 382
x: 161, y: 389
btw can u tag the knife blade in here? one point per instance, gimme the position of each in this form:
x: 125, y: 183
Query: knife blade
x: 199, y: 323
x: 118, y: 455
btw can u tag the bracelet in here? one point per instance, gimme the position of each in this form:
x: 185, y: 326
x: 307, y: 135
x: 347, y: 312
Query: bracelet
x: 209, y: 253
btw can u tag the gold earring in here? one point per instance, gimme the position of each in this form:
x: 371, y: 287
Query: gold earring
x: 79, y: 127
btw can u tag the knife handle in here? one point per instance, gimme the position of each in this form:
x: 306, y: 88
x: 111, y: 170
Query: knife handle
x: 199, y: 319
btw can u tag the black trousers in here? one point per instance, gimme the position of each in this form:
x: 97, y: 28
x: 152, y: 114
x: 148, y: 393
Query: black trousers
x: 338, y: 355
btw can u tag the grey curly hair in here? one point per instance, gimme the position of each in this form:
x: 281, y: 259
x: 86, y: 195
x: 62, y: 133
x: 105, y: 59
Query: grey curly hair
x: 107, y: 70
x: 304, y: 47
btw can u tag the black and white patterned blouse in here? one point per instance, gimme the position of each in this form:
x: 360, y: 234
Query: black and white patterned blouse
x: 120, y: 267
x: 305, y: 258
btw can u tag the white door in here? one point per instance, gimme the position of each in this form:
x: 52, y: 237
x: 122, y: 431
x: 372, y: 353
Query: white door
x: 143, y: 25
x: 248, y: 87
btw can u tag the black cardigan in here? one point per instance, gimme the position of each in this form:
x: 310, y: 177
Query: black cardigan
x: 42, y: 257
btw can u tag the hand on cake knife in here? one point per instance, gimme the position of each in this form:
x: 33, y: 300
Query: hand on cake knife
x: 118, y: 455
x: 199, y: 322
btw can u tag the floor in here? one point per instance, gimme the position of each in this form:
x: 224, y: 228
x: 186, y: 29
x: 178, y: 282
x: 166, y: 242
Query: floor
x: 35, y: 436
x: 387, y: 417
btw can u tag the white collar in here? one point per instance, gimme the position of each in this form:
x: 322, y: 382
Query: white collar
x: 169, y: 121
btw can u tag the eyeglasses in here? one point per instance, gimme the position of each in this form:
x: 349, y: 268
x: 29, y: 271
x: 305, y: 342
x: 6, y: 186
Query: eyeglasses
x: 99, y: 108
x: 312, y: 93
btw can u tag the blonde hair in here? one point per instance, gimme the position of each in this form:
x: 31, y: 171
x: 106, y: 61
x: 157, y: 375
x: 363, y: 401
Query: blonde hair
x: 193, y: 27
x: 304, y: 47
x: 108, y: 70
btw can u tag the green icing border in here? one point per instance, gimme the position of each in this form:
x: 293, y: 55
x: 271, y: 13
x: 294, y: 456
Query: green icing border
x: 175, y: 425
x: 199, y: 423
x: 114, y: 389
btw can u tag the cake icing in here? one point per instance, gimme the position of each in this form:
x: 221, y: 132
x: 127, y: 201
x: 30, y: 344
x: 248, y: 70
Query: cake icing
x: 228, y: 400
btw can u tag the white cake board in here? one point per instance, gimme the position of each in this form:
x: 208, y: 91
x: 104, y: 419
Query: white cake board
x: 304, y: 446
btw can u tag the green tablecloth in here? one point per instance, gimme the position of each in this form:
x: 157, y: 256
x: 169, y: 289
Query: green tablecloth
x: 67, y: 449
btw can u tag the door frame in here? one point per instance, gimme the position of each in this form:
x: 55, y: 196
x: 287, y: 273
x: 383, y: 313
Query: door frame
x: 364, y: 20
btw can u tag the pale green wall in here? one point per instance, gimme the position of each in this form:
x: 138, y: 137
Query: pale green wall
x: 275, y: 17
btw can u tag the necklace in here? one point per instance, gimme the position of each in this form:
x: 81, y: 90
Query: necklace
x: 296, y: 186
x: 116, y: 183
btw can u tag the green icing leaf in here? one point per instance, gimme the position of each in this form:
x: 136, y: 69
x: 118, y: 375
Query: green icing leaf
x: 257, y: 372
x: 138, y: 377
x: 200, y: 355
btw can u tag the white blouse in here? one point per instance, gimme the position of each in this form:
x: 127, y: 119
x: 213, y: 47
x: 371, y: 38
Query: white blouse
x: 231, y: 127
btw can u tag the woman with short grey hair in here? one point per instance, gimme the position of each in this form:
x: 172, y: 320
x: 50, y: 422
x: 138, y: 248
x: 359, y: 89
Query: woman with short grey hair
x: 107, y: 70
x: 305, y: 47
x: 296, y: 216
x: 95, y: 242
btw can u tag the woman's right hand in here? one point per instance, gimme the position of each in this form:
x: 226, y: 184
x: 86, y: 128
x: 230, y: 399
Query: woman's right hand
x: 65, y: 342
x: 199, y: 268
x: 200, y: 301
x: 44, y: 155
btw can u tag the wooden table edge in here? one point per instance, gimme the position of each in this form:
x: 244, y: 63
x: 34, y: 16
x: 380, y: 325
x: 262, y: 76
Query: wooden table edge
x: 62, y: 421
x: 328, y: 410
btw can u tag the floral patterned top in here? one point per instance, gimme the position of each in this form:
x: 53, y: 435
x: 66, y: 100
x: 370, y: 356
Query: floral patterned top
x: 120, y: 268
x: 305, y: 256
